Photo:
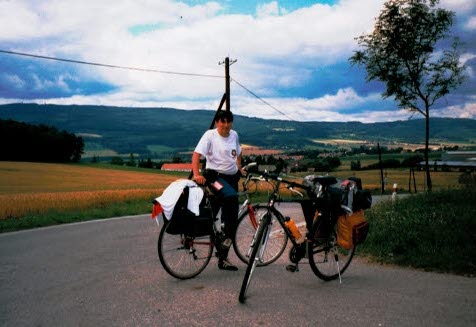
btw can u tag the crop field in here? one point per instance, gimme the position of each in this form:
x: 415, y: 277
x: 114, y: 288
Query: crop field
x: 371, y: 179
x: 36, y: 188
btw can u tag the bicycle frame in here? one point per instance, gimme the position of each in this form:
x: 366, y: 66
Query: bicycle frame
x: 246, y: 205
x: 273, y: 198
x: 322, y: 249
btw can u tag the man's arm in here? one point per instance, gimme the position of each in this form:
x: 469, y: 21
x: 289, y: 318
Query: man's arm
x: 197, y: 177
x: 240, y: 168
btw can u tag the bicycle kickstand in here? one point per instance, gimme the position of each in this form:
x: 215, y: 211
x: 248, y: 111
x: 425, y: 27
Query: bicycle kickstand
x: 336, y: 257
x: 293, y: 268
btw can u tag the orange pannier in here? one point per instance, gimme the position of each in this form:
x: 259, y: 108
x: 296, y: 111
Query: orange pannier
x: 352, y: 230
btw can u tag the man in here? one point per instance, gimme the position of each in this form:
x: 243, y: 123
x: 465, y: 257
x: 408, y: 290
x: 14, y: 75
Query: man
x: 222, y: 151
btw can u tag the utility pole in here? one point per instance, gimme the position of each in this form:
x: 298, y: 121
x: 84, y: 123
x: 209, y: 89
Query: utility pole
x: 381, y: 167
x: 227, y: 64
x: 225, y: 97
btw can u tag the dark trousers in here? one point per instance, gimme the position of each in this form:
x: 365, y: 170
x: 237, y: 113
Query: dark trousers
x: 228, y: 199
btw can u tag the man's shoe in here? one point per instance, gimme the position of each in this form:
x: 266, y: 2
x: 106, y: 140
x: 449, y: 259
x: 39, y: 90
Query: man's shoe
x: 226, y: 265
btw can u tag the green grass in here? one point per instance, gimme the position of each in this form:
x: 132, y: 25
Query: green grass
x: 55, y: 217
x: 434, y: 232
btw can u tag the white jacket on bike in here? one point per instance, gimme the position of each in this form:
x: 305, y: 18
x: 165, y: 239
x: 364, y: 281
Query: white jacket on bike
x: 171, y: 194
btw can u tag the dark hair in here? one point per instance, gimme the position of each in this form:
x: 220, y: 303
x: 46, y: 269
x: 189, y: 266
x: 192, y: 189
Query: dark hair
x: 228, y: 115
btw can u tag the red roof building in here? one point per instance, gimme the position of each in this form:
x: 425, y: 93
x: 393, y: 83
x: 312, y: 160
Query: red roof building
x: 177, y: 167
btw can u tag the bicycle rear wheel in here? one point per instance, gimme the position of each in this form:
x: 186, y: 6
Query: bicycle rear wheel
x: 254, y: 259
x: 246, y: 230
x: 327, y: 259
x: 182, y: 256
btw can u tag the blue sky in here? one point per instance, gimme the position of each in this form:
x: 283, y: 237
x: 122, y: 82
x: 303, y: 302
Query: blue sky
x: 293, y: 54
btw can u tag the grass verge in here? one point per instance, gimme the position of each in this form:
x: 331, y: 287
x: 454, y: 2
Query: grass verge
x: 56, y: 217
x: 434, y: 232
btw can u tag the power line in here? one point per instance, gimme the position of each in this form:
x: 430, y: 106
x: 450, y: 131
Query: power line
x: 142, y: 70
x: 264, y: 101
x: 108, y: 65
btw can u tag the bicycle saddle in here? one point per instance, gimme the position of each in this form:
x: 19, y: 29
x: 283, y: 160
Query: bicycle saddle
x: 325, y: 180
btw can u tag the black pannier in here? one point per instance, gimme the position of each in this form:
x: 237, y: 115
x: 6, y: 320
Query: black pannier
x: 341, y: 193
x: 362, y: 200
x: 183, y: 221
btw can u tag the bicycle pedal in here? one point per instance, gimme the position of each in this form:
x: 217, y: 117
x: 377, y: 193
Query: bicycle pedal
x: 292, y: 268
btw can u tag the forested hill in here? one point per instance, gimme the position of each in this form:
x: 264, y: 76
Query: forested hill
x: 140, y: 130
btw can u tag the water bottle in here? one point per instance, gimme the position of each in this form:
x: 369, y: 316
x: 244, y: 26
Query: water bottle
x: 294, y: 230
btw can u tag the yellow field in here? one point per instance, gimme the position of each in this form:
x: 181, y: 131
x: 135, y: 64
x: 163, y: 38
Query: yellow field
x: 38, y: 187
x: 371, y: 179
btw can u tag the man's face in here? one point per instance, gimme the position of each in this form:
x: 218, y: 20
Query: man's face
x: 223, y: 126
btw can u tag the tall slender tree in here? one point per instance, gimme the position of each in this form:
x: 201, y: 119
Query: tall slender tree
x: 406, y: 52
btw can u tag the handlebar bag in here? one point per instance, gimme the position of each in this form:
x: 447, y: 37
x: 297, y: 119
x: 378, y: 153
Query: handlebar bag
x: 352, y: 230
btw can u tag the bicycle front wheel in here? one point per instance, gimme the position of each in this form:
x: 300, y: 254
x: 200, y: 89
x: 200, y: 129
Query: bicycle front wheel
x: 182, y: 256
x: 246, y: 230
x: 254, y: 258
x: 328, y: 260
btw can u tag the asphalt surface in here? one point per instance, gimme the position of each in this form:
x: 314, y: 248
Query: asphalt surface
x: 107, y: 273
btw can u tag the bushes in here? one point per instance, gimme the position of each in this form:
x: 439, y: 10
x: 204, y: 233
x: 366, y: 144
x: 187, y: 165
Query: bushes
x: 38, y: 143
x: 433, y: 231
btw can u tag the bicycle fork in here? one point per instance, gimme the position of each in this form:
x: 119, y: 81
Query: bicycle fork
x: 262, y: 246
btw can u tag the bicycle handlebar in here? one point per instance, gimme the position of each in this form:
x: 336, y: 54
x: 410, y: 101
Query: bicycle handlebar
x: 265, y: 176
x: 290, y: 184
x: 251, y: 164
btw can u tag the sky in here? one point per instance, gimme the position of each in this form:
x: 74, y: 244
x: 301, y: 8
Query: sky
x: 291, y: 56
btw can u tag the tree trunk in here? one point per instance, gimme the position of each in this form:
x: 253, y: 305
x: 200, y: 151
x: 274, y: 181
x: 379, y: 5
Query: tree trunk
x: 427, y: 144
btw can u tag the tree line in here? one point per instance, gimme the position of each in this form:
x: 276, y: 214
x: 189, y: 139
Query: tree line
x: 38, y: 143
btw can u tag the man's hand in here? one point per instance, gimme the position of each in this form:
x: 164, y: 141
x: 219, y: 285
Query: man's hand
x: 199, y: 179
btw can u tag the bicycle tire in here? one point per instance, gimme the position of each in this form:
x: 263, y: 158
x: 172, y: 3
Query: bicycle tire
x: 322, y: 253
x: 246, y: 230
x: 183, y: 257
x: 252, y: 263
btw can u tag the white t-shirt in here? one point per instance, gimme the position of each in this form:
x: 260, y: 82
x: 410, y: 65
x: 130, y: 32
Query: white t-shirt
x: 220, y: 152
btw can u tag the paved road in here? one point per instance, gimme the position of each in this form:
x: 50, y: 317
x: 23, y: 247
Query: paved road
x: 106, y: 273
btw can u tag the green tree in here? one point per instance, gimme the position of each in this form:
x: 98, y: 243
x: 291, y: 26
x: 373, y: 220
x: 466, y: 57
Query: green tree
x: 132, y: 161
x: 401, y: 52
x: 117, y: 161
x: 355, y: 165
x: 177, y: 159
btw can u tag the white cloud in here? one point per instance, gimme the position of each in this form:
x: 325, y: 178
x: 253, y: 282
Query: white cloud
x: 13, y: 18
x: 459, y: 6
x: 14, y: 80
x: 267, y: 9
x: 289, y: 109
x: 467, y: 110
x: 471, y: 24
x: 41, y: 84
x: 275, y: 49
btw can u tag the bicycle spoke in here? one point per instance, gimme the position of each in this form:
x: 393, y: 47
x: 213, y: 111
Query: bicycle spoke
x: 183, y: 257
x: 275, y: 242
x: 327, y: 259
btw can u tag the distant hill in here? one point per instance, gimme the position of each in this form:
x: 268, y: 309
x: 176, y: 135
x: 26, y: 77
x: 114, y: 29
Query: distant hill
x: 164, y: 131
